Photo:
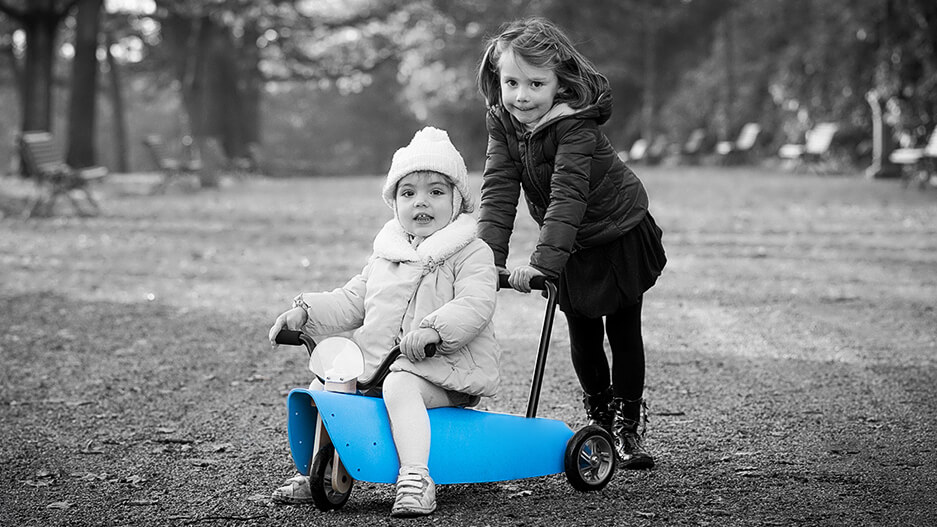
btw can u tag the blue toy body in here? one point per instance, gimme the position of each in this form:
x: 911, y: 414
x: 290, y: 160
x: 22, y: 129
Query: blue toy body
x: 467, y: 446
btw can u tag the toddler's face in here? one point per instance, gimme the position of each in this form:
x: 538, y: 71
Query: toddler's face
x: 424, y: 203
x: 526, y: 91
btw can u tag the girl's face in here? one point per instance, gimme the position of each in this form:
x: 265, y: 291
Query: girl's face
x: 424, y: 203
x: 527, y: 92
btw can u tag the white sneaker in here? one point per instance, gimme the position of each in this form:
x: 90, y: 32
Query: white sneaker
x: 416, y: 493
x: 296, y: 491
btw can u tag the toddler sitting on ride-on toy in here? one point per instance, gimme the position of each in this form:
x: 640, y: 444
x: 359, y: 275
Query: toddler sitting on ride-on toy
x: 429, y: 280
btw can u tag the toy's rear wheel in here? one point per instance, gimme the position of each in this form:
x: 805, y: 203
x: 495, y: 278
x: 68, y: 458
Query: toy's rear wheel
x: 590, y: 459
x: 325, y: 493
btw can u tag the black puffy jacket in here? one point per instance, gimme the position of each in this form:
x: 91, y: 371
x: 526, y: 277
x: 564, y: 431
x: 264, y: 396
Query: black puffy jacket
x: 577, y: 188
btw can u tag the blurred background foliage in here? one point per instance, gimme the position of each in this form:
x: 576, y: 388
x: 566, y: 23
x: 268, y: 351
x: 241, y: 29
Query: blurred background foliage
x: 304, y: 87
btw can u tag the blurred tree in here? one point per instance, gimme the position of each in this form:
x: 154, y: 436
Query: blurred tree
x: 8, y: 53
x: 119, y: 120
x: 83, y: 107
x: 40, y: 20
x: 225, y: 52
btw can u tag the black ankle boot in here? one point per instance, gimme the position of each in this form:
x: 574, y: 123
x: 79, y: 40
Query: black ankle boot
x: 598, y: 408
x: 628, y: 426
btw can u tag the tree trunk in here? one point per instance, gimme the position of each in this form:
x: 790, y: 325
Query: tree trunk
x: 251, y: 89
x: 15, y: 68
x: 649, y: 93
x: 40, y: 28
x: 121, y: 149
x: 83, y: 109
x: 221, y: 86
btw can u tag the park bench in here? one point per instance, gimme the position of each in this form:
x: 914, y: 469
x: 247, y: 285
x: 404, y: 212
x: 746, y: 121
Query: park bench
x: 650, y: 153
x: 693, y: 147
x: 742, y: 148
x: 918, y: 165
x: 43, y: 160
x: 814, y: 152
x: 171, y: 167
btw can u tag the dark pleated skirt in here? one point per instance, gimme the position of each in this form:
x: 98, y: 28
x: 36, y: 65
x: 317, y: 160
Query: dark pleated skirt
x: 602, y: 280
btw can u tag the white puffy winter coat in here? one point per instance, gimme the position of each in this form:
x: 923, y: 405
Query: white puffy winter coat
x: 448, y: 283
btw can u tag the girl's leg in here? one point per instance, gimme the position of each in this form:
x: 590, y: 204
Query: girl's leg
x: 627, y: 344
x: 586, y: 339
x: 407, y: 396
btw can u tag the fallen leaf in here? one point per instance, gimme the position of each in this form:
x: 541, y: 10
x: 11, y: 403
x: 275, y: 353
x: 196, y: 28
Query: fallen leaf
x: 87, y: 449
x: 645, y: 514
x: 521, y: 494
x: 59, y: 505
x: 222, y: 447
x: 135, y: 481
x: 258, y: 497
x: 202, y: 462
x: 39, y: 483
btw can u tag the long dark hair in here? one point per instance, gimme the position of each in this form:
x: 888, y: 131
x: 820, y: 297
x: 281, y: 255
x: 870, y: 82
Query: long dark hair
x: 542, y: 44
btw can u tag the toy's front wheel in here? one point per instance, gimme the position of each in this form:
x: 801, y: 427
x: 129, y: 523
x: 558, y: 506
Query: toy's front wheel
x: 590, y: 459
x: 329, y: 493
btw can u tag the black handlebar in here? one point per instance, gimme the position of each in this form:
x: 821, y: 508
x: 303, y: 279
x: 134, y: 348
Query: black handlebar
x: 292, y: 337
x: 289, y: 337
x: 537, y: 283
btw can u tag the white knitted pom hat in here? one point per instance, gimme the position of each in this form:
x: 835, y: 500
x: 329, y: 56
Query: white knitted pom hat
x: 430, y: 149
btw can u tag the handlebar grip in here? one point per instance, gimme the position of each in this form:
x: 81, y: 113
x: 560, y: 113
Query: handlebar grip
x: 537, y: 283
x: 289, y: 337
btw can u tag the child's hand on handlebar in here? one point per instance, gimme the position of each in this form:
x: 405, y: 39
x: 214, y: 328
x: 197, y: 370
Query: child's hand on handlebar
x: 293, y: 319
x: 520, y: 278
x: 414, y: 343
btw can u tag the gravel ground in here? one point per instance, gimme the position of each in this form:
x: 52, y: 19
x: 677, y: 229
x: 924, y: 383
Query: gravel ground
x: 791, y: 345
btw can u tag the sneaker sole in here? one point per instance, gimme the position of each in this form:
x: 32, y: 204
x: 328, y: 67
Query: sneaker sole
x: 412, y: 513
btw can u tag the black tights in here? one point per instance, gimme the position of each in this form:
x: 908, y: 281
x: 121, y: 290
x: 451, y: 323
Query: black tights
x: 586, y: 336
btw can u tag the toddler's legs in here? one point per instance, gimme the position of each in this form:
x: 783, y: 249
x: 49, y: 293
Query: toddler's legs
x: 295, y: 490
x: 407, y: 396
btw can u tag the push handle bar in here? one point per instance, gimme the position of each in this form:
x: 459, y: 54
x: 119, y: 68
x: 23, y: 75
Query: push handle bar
x: 538, y: 283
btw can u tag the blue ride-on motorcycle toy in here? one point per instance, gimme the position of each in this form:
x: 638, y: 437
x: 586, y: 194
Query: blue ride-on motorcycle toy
x: 337, y: 436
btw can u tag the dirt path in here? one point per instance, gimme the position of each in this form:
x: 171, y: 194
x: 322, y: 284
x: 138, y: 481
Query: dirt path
x: 792, y: 358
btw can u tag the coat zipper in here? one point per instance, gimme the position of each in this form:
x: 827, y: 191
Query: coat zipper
x: 531, y: 174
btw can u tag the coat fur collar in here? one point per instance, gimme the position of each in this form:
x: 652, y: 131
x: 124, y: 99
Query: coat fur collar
x: 393, y: 243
